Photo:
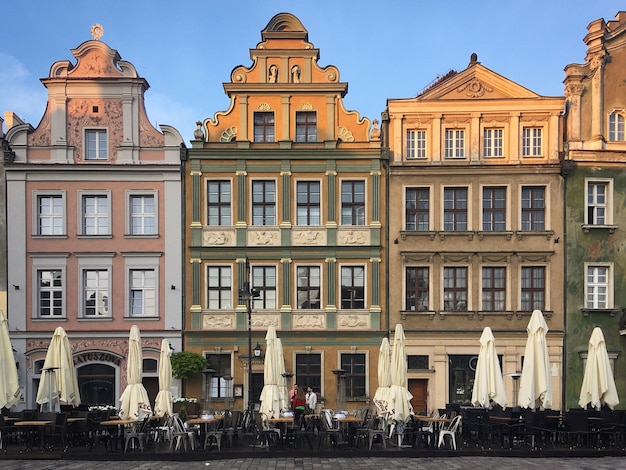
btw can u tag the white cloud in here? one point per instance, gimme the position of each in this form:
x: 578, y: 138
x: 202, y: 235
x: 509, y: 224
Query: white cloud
x: 20, y: 92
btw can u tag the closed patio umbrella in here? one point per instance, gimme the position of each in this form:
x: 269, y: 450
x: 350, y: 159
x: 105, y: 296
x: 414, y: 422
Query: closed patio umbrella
x: 381, y: 397
x: 488, y: 382
x: 9, y: 387
x: 135, y: 403
x: 282, y: 376
x: 399, y: 395
x: 535, y: 390
x: 271, y: 395
x: 163, y: 401
x: 59, y: 359
x: 598, y: 386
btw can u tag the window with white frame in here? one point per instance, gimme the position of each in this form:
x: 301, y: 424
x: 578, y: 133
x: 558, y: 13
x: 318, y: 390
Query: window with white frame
x: 494, y: 289
x: 219, y: 287
x: 96, y: 293
x: 455, y: 288
x: 598, y: 286
x: 308, y: 203
x: 454, y: 143
x: 494, y: 208
x: 599, y: 197
x: 50, y: 212
x: 309, y: 370
x: 219, y: 386
x: 533, y: 208
x: 50, y: 293
x: 616, y: 126
x: 455, y: 209
x: 96, y: 147
x: 264, y: 280
x: 533, y: 288
x: 352, y: 287
x: 492, y: 142
x: 309, y: 287
x: 353, y: 202
x: 356, y: 374
x: 263, y: 202
x: 142, y: 293
x: 417, y: 289
x: 95, y: 214
x: 417, y: 209
x: 143, y: 214
x: 219, y: 210
x: 532, y: 141
x: 415, y: 143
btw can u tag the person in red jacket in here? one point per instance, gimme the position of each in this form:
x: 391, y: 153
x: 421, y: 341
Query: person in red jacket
x: 298, y: 405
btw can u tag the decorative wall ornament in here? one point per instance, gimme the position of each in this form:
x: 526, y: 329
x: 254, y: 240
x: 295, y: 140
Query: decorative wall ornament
x: 353, y: 237
x: 97, y: 31
x: 264, y: 107
x: 352, y: 321
x: 314, y: 321
x: 218, y: 321
x: 198, y: 134
x: 474, y: 88
x: 295, y: 74
x: 229, y: 134
x: 272, y: 74
x: 264, y: 321
x: 263, y: 237
x: 308, y: 237
x: 306, y: 107
x: 217, y: 237
x: 344, y: 134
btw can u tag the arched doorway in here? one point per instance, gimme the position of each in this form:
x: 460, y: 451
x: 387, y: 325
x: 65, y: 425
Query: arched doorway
x: 97, y: 384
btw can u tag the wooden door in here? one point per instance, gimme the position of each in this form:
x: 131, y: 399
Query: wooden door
x: 419, y: 390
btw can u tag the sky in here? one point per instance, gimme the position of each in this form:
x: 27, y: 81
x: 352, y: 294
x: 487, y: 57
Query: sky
x: 388, y: 49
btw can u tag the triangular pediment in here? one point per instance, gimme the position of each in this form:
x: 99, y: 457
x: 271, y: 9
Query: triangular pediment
x: 476, y: 82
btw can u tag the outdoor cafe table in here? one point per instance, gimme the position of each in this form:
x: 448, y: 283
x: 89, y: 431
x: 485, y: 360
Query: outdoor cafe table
x: 437, y: 423
x: 121, y: 426
x: 32, y: 427
x: 348, y: 425
x: 509, y: 421
x: 282, y: 422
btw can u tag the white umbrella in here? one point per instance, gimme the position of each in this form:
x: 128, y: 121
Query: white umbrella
x: 135, y: 403
x: 598, y: 383
x: 163, y: 402
x: 59, y: 383
x: 381, y: 397
x: 535, y: 390
x: 488, y: 382
x: 270, y: 395
x: 9, y: 387
x: 399, y: 395
x: 282, y: 378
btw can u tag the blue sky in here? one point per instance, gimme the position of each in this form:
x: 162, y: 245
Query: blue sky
x: 383, y: 49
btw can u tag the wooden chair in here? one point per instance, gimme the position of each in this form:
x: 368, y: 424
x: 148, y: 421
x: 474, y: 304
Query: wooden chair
x: 450, y: 431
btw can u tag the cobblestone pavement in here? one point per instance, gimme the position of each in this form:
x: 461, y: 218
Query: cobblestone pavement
x: 348, y: 463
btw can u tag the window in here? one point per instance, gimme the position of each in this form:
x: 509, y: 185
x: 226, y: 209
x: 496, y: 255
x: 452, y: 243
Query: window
x: 309, y: 370
x: 50, y: 293
x: 218, y: 386
x: 96, y: 144
x: 616, y: 126
x: 417, y: 206
x: 95, y: 215
x: 264, y: 127
x: 455, y: 143
x: 96, y: 293
x: 533, y: 208
x: 494, y: 209
x: 306, y: 126
x: 352, y: 287
x: 494, y: 289
x: 599, y: 201
x: 218, y: 203
x: 598, y: 287
x: 142, y: 214
x: 142, y: 293
x: 533, y: 288
x: 417, y: 362
x: 50, y: 215
x: 531, y: 141
x: 354, y: 365
x: 455, y: 209
x: 353, y: 203
x: 219, y: 287
x: 492, y: 142
x: 455, y: 289
x: 309, y: 284
x: 417, y: 289
x: 308, y: 203
x: 415, y: 144
x: 263, y: 203
x: 264, y: 279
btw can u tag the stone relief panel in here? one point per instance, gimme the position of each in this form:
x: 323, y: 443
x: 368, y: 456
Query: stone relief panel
x: 217, y: 236
x: 264, y: 320
x: 148, y: 135
x: 218, y: 321
x: 41, y: 136
x: 80, y: 115
x: 309, y: 321
x: 308, y: 237
x: 353, y: 236
x: 353, y: 321
x: 263, y: 236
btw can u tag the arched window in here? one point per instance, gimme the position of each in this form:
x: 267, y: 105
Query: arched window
x: 616, y: 126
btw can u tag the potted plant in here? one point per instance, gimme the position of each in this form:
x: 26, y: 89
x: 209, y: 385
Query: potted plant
x: 187, y: 365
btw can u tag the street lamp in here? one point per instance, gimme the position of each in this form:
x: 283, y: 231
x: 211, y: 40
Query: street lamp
x: 247, y: 293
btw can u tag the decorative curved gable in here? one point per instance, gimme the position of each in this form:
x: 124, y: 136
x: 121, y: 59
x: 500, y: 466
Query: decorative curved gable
x: 94, y: 59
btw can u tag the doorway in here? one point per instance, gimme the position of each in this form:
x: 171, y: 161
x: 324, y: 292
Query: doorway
x: 419, y: 390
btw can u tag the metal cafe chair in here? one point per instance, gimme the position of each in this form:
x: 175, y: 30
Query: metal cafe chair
x: 450, y: 431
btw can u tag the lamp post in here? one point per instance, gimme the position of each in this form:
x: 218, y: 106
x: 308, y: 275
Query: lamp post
x: 247, y: 294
